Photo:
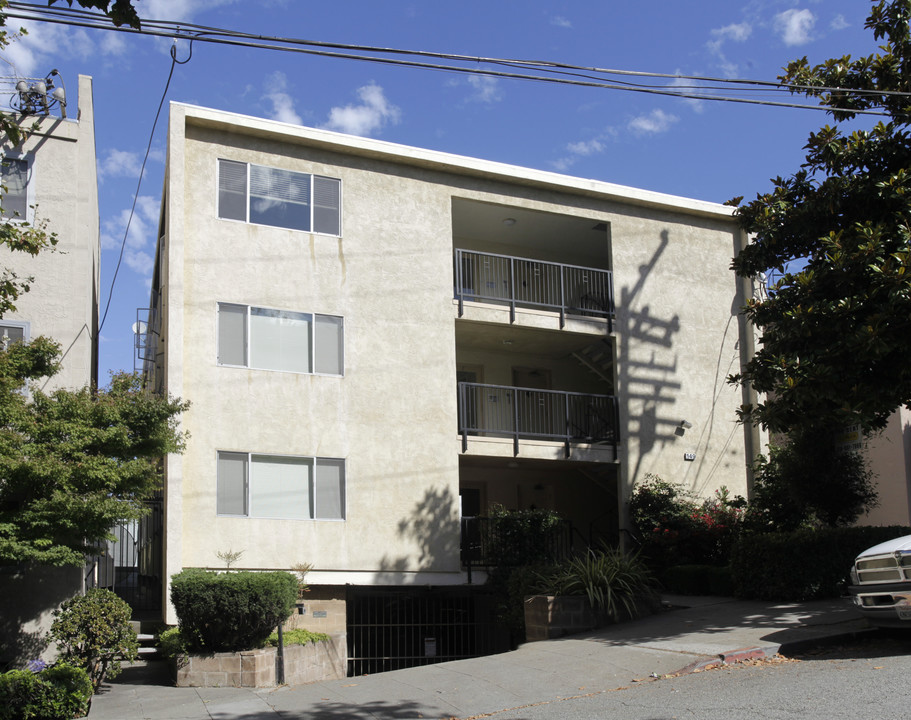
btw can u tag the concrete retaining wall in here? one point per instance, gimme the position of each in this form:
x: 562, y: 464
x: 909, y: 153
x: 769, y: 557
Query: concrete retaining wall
x: 313, y: 662
x: 549, y: 616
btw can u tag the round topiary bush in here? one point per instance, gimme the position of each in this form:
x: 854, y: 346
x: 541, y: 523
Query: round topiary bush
x: 231, y: 611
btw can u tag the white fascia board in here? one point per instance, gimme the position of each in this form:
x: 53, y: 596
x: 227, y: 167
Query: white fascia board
x: 448, y: 162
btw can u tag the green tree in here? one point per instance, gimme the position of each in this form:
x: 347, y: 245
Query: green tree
x: 834, y: 335
x: 74, y: 463
x: 121, y: 12
x: 803, y: 483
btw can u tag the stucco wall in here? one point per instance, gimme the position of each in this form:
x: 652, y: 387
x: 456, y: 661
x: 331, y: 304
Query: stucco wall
x: 393, y: 414
x: 889, y: 459
x: 63, y: 301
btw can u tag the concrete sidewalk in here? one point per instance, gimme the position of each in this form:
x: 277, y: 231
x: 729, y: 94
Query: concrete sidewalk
x: 680, y: 640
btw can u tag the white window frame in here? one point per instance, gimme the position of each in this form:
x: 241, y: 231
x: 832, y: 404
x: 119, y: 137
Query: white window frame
x: 313, y: 177
x: 24, y: 326
x: 311, y: 490
x: 29, y: 215
x: 312, y: 339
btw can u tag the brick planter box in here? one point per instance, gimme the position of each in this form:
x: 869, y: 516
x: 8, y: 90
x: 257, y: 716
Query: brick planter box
x: 313, y: 662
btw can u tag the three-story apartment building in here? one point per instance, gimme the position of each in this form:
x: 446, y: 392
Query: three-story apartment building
x: 378, y: 340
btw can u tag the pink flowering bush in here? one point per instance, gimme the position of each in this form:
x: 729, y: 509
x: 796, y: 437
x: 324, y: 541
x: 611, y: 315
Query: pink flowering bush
x: 674, y: 528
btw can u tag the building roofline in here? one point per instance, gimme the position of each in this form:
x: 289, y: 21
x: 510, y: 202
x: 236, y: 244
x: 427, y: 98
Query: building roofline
x: 448, y: 162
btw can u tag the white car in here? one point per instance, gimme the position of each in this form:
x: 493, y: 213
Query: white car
x: 881, y: 583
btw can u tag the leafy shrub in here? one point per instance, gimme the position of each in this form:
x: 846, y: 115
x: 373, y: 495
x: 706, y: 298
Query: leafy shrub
x: 171, y: 643
x: 509, y: 587
x: 296, y: 636
x: 231, y: 611
x: 673, y: 528
x: 60, y: 692
x: 614, y: 583
x: 698, y: 580
x: 805, y: 483
x: 803, y: 564
x: 93, y: 632
x: 522, y: 537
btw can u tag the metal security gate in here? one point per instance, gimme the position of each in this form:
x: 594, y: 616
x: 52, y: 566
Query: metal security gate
x: 391, y: 629
x: 131, y: 563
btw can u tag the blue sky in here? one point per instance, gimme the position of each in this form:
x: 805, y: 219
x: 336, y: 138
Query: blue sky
x: 707, y: 150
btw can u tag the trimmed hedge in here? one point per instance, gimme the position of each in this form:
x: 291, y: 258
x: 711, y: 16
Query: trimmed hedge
x: 60, y: 692
x: 803, y: 564
x: 227, y: 612
x: 698, y: 580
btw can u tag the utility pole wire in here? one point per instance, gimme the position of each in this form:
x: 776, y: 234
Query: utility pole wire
x: 581, y: 76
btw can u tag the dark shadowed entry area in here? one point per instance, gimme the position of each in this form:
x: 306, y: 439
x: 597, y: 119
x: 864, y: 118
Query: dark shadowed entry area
x: 391, y: 629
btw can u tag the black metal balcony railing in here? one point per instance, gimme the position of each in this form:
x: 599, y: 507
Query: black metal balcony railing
x: 522, y: 282
x: 484, y: 543
x: 532, y: 414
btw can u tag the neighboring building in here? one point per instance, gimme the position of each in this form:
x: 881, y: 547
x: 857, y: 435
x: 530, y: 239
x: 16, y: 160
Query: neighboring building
x: 889, y: 459
x: 376, y: 339
x: 52, y: 177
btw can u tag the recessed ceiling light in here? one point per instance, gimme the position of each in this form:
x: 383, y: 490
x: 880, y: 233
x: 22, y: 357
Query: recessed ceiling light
x: 509, y: 221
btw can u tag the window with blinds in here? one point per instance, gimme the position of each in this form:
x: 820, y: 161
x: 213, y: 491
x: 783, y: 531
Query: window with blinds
x: 279, y: 198
x: 269, y: 339
x: 280, y: 486
x: 15, y: 201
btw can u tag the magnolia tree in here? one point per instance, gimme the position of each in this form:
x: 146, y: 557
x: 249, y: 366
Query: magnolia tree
x: 834, y: 335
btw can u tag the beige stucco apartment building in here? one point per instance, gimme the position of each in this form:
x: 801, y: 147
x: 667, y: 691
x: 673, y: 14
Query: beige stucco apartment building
x: 51, y: 177
x: 378, y: 339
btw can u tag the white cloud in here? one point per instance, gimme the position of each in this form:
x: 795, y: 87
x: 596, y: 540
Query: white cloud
x: 282, y: 102
x: 374, y: 112
x: 120, y: 163
x: 795, y: 26
x: 684, y: 84
x: 839, y: 23
x: 735, y: 32
x: 140, y: 241
x: 586, y: 147
x: 113, y: 43
x: 582, y: 149
x: 30, y: 54
x: 487, y: 89
x: 561, y: 22
x: 177, y: 9
x: 657, y: 121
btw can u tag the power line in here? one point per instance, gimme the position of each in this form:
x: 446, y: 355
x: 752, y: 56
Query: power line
x: 560, y: 73
x: 126, y: 231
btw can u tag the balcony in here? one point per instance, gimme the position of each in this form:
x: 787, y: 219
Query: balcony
x: 522, y: 413
x: 535, y: 284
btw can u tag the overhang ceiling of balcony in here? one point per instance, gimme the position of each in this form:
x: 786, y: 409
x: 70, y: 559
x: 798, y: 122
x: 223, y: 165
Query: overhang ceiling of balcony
x: 534, y: 233
x: 521, y: 341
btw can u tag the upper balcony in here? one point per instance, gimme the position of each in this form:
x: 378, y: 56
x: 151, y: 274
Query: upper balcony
x: 524, y: 282
x: 548, y: 266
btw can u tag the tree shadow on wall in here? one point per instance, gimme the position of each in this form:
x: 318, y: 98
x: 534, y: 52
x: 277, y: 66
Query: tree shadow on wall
x: 27, y: 597
x: 432, y: 527
x: 651, y: 384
